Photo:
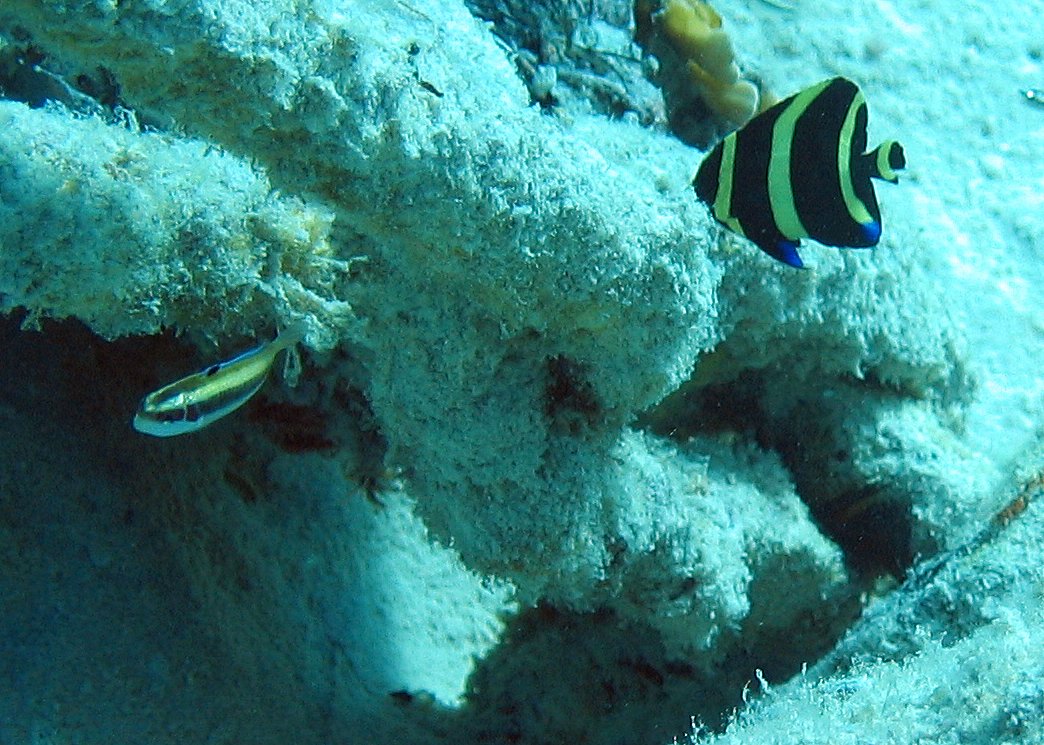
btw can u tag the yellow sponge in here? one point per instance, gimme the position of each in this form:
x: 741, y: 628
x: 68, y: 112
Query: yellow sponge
x: 694, y: 30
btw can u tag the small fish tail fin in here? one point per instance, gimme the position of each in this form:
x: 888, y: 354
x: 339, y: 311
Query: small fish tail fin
x: 288, y: 339
x: 290, y: 336
x: 885, y: 159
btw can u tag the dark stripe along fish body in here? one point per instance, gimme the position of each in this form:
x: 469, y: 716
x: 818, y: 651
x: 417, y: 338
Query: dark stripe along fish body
x: 799, y: 170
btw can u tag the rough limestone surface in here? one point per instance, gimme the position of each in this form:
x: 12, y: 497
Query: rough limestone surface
x: 147, y: 226
x: 951, y: 656
x: 553, y: 392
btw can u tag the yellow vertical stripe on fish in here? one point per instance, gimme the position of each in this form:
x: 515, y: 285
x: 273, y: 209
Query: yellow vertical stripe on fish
x: 723, y: 203
x: 780, y: 188
x: 855, y: 205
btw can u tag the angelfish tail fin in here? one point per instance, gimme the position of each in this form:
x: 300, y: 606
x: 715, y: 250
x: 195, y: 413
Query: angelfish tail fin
x: 885, y: 159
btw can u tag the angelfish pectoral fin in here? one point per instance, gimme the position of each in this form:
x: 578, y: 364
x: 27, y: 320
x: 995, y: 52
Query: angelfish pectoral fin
x: 785, y: 250
x: 871, y: 233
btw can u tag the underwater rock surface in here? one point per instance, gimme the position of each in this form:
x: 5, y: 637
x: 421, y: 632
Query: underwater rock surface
x: 550, y: 418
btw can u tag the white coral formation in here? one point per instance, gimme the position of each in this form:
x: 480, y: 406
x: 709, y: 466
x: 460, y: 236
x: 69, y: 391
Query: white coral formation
x: 518, y: 289
x: 958, y: 637
x: 129, y: 231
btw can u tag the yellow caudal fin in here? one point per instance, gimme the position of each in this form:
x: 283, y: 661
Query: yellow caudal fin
x: 885, y: 160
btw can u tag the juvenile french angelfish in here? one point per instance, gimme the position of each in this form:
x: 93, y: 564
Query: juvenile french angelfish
x: 799, y: 170
x: 193, y: 402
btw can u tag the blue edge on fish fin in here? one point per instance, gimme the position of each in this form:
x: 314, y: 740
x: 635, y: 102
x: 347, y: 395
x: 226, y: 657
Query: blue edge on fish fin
x: 786, y: 251
x: 871, y: 231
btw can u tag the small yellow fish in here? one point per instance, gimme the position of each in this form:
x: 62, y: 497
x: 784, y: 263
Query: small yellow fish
x: 193, y: 402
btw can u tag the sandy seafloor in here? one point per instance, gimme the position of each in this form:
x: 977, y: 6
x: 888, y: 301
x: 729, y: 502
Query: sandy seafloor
x: 219, y: 589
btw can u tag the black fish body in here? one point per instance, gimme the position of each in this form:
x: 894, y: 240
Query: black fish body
x: 799, y: 170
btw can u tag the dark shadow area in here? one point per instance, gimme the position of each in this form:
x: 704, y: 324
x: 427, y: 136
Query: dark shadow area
x: 610, y: 683
x: 613, y: 685
x: 104, y: 635
x: 102, y: 567
x: 576, y: 55
x: 813, y: 436
x: 29, y: 75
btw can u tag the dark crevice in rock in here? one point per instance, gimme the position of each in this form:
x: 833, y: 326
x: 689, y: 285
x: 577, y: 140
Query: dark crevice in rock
x: 813, y: 435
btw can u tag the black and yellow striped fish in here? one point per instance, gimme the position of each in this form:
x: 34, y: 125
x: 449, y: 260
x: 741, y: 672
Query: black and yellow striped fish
x: 799, y: 170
